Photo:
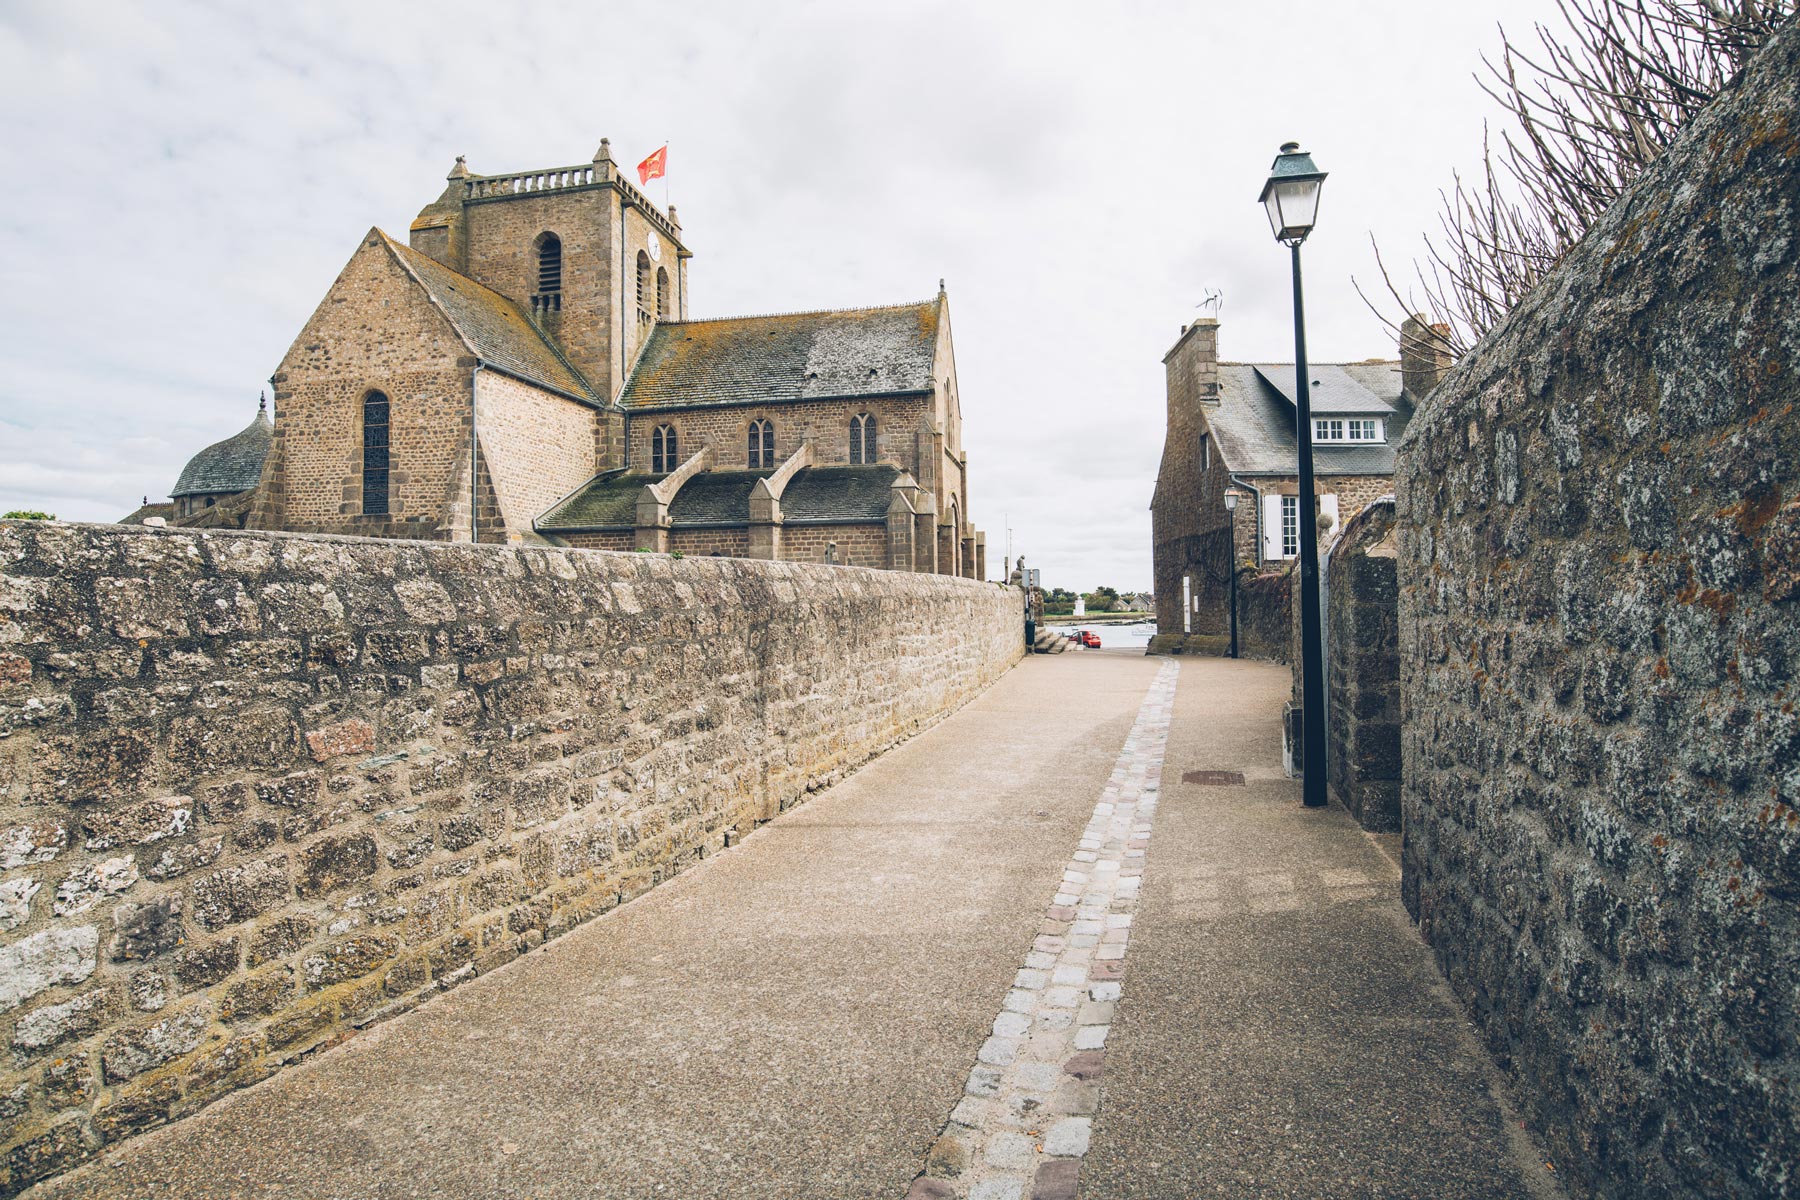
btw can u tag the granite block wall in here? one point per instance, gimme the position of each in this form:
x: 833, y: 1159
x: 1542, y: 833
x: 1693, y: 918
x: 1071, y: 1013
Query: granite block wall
x: 1600, y: 626
x: 1266, y: 615
x: 1363, y: 670
x: 259, y: 790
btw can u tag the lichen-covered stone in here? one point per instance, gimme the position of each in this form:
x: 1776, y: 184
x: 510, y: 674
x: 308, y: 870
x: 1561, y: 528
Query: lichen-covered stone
x: 88, y: 885
x: 280, y: 937
x: 491, y: 776
x: 146, y: 930
x: 240, y: 892
x: 132, y: 1051
x: 41, y: 961
x: 38, y: 842
x: 139, y: 824
x: 54, y: 1024
x: 333, y: 862
x: 1602, y: 761
x: 15, y: 901
x: 348, y: 959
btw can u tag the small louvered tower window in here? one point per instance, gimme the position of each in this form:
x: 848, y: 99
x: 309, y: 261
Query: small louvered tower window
x: 762, y: 444
x: 663, y: 456
x: 662, y: 292
x: 644, y: 286
x: 547, y: 297
x: 550, y: 264
x: 375, y: 454
x: 862, y: 439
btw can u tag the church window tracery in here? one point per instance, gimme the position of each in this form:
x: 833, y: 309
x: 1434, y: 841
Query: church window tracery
x: 375, y: 454
x: 862, y: 439
x: 762, y: 444
x: 663, y: 455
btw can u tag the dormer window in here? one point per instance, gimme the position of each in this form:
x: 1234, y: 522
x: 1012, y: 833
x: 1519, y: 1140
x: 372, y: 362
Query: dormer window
x: 1349, y: 429
x: 663, y: 455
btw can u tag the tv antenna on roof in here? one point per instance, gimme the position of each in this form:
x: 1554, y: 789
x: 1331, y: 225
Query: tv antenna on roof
x: 1214, y: 304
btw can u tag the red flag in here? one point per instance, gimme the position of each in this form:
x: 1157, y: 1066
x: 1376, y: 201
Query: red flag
x: 655, y: 166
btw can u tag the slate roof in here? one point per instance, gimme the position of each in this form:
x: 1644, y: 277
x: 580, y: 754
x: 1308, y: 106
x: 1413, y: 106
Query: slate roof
x: 492, y: 326
x: 815, y: 495
x: 791, y: 356
x: 1335, y: 391
x: 714, y: 498
x: 1254, y: 420
x: 838, y: 494
x: 609, y: 501
x: 233, y: 465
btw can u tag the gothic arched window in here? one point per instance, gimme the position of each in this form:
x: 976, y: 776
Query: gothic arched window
x: 644, y: 284
x: 662, y: 292
x: 762, y: 444
x: 663, y: 456
x: 375, y: 454
x: 862, y: 439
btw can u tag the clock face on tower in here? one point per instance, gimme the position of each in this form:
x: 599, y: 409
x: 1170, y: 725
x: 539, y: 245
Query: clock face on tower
x: 655, y: 247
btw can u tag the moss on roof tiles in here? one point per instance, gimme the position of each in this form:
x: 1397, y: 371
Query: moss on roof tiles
x: 609, y: 501
x: 495, y: 328
x: 790, y: 356
x: 839, y: 494
x: 715, y: 498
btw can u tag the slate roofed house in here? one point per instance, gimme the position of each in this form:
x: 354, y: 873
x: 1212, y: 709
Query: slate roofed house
x: 1233, y: 425
x: 524, y: 368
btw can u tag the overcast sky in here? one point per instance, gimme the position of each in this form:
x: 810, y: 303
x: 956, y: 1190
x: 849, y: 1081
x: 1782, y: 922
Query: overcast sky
x: 184, y: 180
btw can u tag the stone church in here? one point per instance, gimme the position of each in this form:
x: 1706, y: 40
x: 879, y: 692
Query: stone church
x: 523, y: 368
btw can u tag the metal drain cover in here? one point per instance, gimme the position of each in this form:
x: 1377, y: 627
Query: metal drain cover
x: 1214, y: 778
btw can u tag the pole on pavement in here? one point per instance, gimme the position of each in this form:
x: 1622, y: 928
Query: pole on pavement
x: 1291, y: 198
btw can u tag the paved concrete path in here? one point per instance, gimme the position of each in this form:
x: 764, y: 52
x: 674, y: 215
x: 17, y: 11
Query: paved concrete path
x: 802, y: 1016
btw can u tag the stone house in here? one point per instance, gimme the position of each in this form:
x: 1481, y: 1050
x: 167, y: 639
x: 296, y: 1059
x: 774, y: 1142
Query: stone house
x: 1233, y: 425
x: 523, y: 368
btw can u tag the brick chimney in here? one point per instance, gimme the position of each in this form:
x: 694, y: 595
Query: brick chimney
x: 1424, y: 355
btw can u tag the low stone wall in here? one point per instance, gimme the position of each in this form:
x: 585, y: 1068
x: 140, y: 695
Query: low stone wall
x: 1600, y: 622
x: 257, y: 790
x: 1363, y: 755
x: 1266, y: 615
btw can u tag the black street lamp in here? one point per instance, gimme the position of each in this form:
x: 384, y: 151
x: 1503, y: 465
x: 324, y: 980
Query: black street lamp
x: 1291, y: 196
x: 1232, y: 496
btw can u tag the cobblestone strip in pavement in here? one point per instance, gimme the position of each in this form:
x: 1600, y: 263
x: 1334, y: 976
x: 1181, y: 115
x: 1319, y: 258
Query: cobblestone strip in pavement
x: 1022, y: 1126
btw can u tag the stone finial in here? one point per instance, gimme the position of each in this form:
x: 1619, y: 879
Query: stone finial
x: 460, y: 170
x: 673, y: 219
x: 940, y: 285
x: 262, y: 402
x: 604, y: 153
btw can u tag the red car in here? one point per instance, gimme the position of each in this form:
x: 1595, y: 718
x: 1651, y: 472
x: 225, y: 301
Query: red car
x: 1090, y: 639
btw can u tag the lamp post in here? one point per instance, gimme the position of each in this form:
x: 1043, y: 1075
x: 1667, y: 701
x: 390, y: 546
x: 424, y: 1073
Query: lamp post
x: 1291, y: 197
x: 1232, y: 496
